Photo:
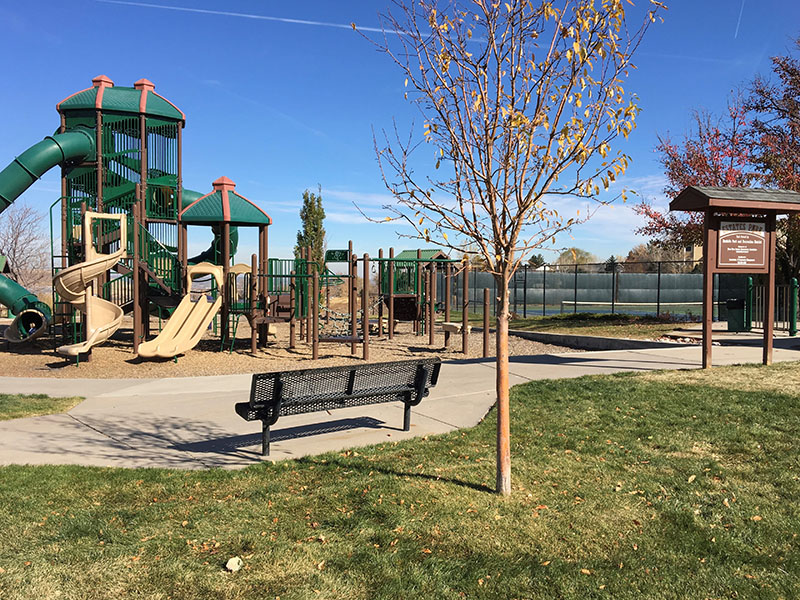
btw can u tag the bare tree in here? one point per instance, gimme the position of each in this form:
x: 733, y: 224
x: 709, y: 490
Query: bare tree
x: 24, y: 244
x: 521, y: 104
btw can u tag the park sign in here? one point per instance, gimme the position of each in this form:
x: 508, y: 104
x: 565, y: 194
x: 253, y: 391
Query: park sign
x: 739, y: 232
x: 742, y: 246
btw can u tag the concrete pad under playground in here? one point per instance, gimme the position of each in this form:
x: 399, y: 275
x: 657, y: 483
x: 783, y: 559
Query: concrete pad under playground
x: 189, y: 423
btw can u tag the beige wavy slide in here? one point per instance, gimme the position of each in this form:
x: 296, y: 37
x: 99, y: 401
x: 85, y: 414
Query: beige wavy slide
x: 76, y: 285
x: 189, y: 321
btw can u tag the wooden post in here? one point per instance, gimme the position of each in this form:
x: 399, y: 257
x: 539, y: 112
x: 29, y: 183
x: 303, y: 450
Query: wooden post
x: 485, y: 322
x: 709, y: 261
x: 226, y: 288
x: 253, y: 296
x: 353, y: 297
x: 365, y: 306
x: 303, y: 269
x: 432, y: 304
x: 418, y: 277
x: 465, y: 311
x: 315, y: 316
x: 448, y: 271
x: 292, y: 309
x: 381, y: 267
x: 137, y: 306
x: 310, y: 300
x: 391, y: 293
x: 769, y: 290
x: 263, y: 280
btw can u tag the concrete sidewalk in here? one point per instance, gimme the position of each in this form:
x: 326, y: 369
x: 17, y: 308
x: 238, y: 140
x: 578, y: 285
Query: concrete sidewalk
x: 190, y: 423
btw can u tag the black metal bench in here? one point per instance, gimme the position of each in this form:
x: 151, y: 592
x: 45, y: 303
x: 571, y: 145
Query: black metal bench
x: 273, y: 395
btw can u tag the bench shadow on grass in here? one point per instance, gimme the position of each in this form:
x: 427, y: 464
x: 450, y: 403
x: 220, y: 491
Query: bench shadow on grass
x: 235, y: 444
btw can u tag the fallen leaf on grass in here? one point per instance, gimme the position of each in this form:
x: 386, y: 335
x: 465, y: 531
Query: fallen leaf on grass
x: 586, y: 571
x: 755, y: 518
x: 545, y: 563
x: 691, y: 478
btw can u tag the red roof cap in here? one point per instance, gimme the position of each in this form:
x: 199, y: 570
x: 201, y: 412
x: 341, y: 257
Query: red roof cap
x: 223, y: 183
x: 144, y: 84
x: 102, y: 81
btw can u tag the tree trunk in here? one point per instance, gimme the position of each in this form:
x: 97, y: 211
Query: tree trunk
x: 503, y: 422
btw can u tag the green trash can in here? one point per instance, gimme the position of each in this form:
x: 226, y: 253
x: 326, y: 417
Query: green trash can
x: 737, y: 315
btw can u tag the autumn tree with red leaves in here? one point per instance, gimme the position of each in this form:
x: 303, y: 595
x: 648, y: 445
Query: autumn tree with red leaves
x: 776, y: 148
x: 716, y: 152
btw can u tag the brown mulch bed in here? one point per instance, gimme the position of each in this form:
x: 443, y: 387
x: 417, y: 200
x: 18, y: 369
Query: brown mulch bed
x: 115, y: 358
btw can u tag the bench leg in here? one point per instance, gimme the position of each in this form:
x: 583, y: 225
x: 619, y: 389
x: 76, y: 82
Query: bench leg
x: 264, y: 438
x: 406, y: 417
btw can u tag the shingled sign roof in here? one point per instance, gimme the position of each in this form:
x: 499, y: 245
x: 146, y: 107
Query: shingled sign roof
x: 740, y: 199
x: 224, y: 205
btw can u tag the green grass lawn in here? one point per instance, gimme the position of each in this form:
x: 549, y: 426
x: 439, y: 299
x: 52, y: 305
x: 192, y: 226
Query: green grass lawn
x: 14, y: 406
x: 602, y: 325
x: 665, y: 485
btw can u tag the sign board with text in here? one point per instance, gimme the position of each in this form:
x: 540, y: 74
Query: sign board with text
x: 742, y: 246
x: 333, y: 256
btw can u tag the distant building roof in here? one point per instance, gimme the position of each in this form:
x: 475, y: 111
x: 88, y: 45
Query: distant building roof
x: 740, y: 199
x: 224, y: 205
x: 427, y: 254
x: 139, y: 99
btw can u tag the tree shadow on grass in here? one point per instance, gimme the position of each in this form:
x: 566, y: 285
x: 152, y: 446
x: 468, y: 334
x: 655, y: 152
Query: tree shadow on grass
x: 371, y: 467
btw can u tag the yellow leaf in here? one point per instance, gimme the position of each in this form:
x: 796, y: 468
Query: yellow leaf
x: 545, y: 563
x: 755, y: 518
x: 586, y: 571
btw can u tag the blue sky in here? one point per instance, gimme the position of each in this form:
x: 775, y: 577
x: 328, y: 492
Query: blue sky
x: 284, y: 96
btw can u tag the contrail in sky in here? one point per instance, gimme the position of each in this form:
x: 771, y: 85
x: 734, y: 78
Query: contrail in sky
x: 247, y: 16
x: 739, y: 22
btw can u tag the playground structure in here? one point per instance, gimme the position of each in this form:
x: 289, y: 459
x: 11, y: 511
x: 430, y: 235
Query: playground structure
x: 122, y: 222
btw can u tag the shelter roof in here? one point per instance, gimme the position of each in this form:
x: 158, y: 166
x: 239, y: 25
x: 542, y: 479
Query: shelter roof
x: 224, y: 205
x: 426, y: 254
x: 139, y: 99
x: 736, y: 199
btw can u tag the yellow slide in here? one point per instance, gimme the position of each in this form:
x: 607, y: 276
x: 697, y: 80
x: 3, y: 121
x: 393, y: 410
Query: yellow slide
x: 189, y: 321
x: 76, y: 285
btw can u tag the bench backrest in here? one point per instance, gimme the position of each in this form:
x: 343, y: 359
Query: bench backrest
x: 309, y: 390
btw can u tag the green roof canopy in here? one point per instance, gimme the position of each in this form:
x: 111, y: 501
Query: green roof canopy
x: 224, y: 205
x: 427, y: 254
x: 140, y: 99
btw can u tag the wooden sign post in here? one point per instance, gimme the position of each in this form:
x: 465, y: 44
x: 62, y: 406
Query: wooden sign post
x: 738, y: 237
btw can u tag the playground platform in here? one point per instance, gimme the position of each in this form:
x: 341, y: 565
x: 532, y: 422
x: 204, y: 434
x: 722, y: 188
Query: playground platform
x: 189, y: 423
